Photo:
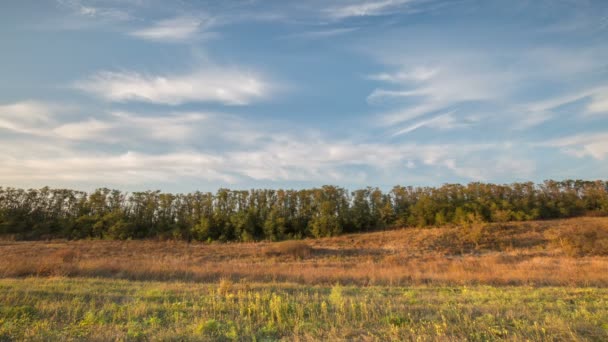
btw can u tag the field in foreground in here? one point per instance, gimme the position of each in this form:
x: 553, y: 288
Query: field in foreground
x: 104, y: 309
x: 542, y: 281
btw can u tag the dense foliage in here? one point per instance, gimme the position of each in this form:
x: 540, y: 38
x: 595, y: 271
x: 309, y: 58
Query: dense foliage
x: 230, y: 215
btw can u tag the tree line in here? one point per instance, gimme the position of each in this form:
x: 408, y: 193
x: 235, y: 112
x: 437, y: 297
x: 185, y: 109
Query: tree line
x: 264, y: 214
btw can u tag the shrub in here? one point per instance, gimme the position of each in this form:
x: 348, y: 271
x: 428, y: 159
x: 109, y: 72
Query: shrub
x: 582, y: 240
x: 62, y: 262
x: 65, y: 255
x: 210, y: 327
x: 296, y: 249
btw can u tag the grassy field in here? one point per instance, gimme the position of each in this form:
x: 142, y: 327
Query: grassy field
x: 527, y: 253
x: 545, y: 280
x: 95, y: 309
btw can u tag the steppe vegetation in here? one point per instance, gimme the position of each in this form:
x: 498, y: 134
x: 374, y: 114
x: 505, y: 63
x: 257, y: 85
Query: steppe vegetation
x: 103, y: 310
x: 571, y: 252
x: 494, y: 273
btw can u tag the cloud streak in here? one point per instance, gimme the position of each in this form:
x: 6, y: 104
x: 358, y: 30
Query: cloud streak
x: 45, y: 121
x: 179, y: 29
x: 366, y: 8
x: 265, y: 152
x: 594, y: 145
x: 214, y: 85
x: 98, y: 12
x: 294, y: 161
x: 442, y: 122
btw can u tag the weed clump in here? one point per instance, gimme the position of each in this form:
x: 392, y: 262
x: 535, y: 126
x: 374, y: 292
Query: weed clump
x: 65, y: 255
x: 224, y: 287
x: 296, y: 249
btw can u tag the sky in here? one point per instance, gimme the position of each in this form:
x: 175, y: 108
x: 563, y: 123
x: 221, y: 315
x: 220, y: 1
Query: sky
x: 198, y: 95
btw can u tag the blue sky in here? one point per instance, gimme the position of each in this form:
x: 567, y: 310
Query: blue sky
x: 197, y: 95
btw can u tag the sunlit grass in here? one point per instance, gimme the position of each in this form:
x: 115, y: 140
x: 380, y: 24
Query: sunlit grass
x: 528, y: 253
x: 64, y: 308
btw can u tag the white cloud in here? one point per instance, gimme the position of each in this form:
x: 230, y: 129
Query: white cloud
x: 319, y: 161
x: 28, y: 117
x: 366, y: 8
x: 379, y: 96
x: 39, y: 119
x: 421, y: 73
x: 501, y: 86
x: 123, y: 168
x: 92, y: 11
x: 442, y: 122
x: 226, y: 86
x: 599, y: 103
x: 312, y: 159
x: 534, y: 113
x: 174, y: 127
x: 456, y: 83
x: 428, y: 90
x: 594, y: 145
x: 410, y: 113
x: 323, y: 33
x: 174, y: 29
x: 27, y: 111
x: 91, y: 129
x: 265, y: 153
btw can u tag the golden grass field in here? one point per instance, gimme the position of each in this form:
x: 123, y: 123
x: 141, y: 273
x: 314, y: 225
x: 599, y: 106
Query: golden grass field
x: 542, y: 280
x: 527, y: 253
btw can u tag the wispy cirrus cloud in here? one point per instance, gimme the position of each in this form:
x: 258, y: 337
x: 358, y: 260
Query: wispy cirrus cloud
x: 424, y: 92
x: 599, y: 103
x: 29, y: 117
x: 91, y: 10
x: 366, y: 8
x: 298, y: 159
x: 588, y: 103
x: 124, y: 168
x: 43, y: 120
x: 129, y: 127
x: 501, y: 90
x: 320, y: 34
x: 442, y: 122
x: 178, y: 29
x: 420, y: 74
x: 594, y: 145
x: 221, y: 148
x: 216, y: 85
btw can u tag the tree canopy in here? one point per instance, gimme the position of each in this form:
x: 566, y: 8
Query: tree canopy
x: 265, y: 214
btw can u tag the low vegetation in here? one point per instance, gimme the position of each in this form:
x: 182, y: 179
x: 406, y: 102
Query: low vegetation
x: 296, y: 249
x: 567, y: 252
x: 536, y: 280
x: 93, y: 309
x: 590, y: 239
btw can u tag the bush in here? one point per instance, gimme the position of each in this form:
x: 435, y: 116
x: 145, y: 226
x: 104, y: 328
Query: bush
x: 582, y: 240
x: 296, y: 249
x: 65, y: 255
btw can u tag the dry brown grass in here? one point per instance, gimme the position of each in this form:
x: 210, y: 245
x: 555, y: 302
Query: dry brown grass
x: 295, y: 249
x: 590, y: 239
x: 507, y: 254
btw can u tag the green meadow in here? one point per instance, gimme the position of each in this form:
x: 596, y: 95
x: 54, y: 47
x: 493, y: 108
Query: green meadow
x: 110, y: 309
